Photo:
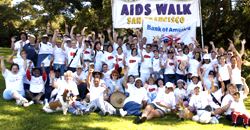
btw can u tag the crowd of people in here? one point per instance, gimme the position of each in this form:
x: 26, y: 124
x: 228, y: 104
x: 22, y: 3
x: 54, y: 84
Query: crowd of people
x: 154, y: 75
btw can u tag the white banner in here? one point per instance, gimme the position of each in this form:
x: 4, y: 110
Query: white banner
x: 182, y: 33
x: 130, y: 14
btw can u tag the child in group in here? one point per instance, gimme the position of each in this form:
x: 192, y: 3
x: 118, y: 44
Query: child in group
x: 151, y: 89
x: 180, y: 92
x: 239, y: 110
x: 37, y: 83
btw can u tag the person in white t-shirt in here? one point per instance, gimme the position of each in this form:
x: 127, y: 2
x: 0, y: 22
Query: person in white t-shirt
x: 19, y: 44
x: 200, y: 102
x: 228, y: 99
x: 156, y: 63
x: 146, y: 63
x: 163, y: 103
x: 169, y: 66
x: 20, y: 62
x: 59, y: 54
x: 132, y: 62
x: 181, y: 74
x: 239, y: 110
x: 109, y: 58
x: 73, y: 55
x: 180, y: 92
x: 151, y: 88
x: 137, y: 97
x: 14, y: 82
x: 96, y: 94
x: 79, y: 78
x: 37, y: 82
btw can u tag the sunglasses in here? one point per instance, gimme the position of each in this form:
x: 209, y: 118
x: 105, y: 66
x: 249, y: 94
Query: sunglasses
x: 134, y: 51
x: 204, y: 52
x: 180, y: 51
x: 160, y: 81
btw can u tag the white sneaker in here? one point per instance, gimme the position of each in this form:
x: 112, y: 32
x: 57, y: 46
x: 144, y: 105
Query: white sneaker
x: 122, y: 112
x: 40, y: 102
x: 78, y: 112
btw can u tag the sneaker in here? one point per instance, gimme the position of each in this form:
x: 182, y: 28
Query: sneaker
x: 86, y: 112
x: 122, y: 112
x: 217, y: 116
x: 117, y: 112
x: 137, y: 119
x: 246, y: 126
x: 234, y: 124
x: 78, y: 112
x: 92, y: 109
x: 26, y: 104
x: 143, y: 119
x: 106, y: 113
x: 40, y: 102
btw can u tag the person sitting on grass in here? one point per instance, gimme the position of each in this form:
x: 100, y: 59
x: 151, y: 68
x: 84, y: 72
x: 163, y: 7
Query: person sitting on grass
x: 228, y: 99
x: 164, y: 102
x: 37, y: 82
x: 239, y: 110
x: 14, y: 82
x: 137, y: 97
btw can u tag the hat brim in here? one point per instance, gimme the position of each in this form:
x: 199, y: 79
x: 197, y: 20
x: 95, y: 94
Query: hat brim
x: 117, y: 99
x: 102, y: 75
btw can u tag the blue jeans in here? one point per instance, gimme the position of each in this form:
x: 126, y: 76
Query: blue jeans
x: 239, y: 86
x: 133, y: 108
x: 166, y: 79
x: 7, y: 93
x: 74, y: 106
x: 59, y: 66
x: 72, y: 69
x: 26, y: 86
x: 178, y: 76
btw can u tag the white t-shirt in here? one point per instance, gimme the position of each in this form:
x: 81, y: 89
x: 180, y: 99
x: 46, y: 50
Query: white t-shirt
x: 238, y: 106
x: 59, y: 56
x: 193, y: 65
x: 217, y: 96
x: 156, y: 65
x: 152, y: 89
x: 20, y: 62
x: 37, y: 84
x: 45, y: 48
x: 120, y: 58
x: 14, y: 81
x: 132, y: 63
x: 167, y: 99
x: 87, y: 54
x: 70, y: 53
x: 226, y: 100
x: 82, y: 76
x: 178, y: 92
x: 109, y: 59
x: 199, y: 101
x: 96, y: 92
x: 169, y: 67
x: 179, y: 59
x: 147, y: 63
x: 191, y: 87
x: 17, y: 47
x: 62, y: 85
x: 136, y: 94
x: 98, y: 60
x: 208, y: 67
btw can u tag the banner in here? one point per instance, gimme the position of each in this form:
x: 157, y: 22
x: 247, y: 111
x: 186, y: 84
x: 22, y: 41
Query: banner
x: 130, y: 14
x: 182, y: 33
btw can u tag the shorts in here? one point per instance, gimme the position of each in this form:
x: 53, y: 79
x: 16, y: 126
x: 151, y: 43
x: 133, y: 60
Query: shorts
x: 160, y: 111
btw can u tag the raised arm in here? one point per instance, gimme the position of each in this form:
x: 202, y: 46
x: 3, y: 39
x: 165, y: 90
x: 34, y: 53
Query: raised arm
x: 72, y: 31
x: 125, y: 78
x: 82, y: 36
x: 246, y: 89
x: 47, y: 29
x: 37, y: 44
x: 89, y: 77
x: 13, y: 39
x: 212, y: 44
x: 54, y: 38
x: 212, y: 88
x: 52, y: 75
x: 243, y: 42
x: 222, y: 84
x: 63, y: 42
x: 142, y: 58
x: 10, y: 58
x: 2, y: 64
x: 66, y: 29
x: 109, y: 35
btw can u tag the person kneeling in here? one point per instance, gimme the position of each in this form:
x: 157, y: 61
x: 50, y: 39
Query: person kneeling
x: 164, y: 102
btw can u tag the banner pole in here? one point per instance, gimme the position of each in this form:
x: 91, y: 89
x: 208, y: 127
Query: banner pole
x: 202, y: 41
x: 112, y: 17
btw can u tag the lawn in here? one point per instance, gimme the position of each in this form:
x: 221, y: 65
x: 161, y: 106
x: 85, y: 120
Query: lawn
x: 17, y: 117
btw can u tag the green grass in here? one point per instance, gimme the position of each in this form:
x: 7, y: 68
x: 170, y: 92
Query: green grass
x: 17, y: 117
